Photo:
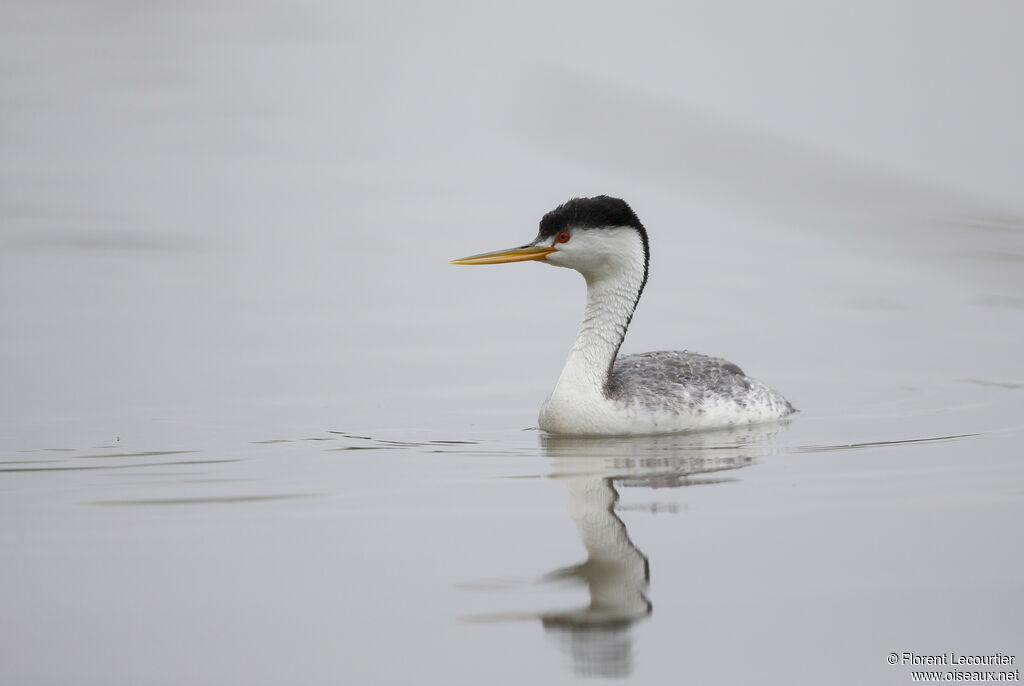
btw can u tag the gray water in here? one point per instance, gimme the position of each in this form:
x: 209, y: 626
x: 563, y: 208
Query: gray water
x: 254, y: 429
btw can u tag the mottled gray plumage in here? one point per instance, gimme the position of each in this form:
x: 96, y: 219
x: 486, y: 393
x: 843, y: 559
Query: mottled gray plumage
x: 676, y: 380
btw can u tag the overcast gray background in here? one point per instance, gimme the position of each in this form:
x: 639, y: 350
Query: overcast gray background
x: 224, y: 230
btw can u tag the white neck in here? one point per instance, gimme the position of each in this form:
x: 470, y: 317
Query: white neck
x: 611, y: 299
x: 613, y: 262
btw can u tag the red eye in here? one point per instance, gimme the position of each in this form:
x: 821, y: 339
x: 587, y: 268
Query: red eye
x: 563, y: 237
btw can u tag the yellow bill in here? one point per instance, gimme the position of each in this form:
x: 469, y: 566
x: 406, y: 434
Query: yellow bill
x: 527, y: 252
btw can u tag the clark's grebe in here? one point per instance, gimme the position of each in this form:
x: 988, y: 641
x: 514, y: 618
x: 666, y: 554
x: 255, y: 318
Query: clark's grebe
x: 601, y: 393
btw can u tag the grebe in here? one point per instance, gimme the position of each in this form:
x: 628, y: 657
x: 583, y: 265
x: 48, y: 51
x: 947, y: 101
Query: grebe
x: 601, y: 393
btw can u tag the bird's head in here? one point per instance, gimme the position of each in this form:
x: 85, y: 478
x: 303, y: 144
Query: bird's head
x: 598, y: 237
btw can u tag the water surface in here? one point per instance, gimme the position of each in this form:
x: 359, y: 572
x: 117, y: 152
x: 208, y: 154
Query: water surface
x: 254, y: 429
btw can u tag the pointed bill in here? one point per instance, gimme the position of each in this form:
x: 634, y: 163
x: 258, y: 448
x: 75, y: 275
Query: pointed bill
x: 526, y: 252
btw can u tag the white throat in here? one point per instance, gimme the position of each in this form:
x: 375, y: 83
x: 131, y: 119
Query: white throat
x: 614, y: 269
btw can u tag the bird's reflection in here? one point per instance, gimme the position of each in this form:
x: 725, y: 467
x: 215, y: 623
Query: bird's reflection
x: 597, y: 636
